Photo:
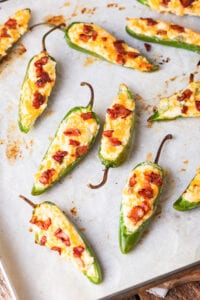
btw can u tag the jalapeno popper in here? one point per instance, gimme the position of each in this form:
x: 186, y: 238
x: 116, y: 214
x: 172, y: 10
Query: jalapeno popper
x: 55, y: 231
x: 94, y: 40
x: 13, y: 29
x: 37, y: 86
x: 185, y: 103
x: 190, y: 198
x: 117, y: 132
x: 161, y: 32
x: 139, y: 201
x: 73, y: 139
x: 177, y: 7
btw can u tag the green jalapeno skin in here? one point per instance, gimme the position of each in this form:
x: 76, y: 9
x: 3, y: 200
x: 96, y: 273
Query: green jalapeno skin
x: 184, y: 104
x: 139, y: 27
x: 72, y: 141
x: 53, y: 229
x: 128, y: 238
x: 192, y: 191
x: 90, y: 39
x: 13, y: 29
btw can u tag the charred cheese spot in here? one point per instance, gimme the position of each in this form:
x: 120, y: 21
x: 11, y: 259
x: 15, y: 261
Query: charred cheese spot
x: 164, y: 30
x: 192, y: 193
x: 107, y: 47
x: 139, y: 195
x: 13, y: 29
x: 60, y: 235
x: 73, y: 138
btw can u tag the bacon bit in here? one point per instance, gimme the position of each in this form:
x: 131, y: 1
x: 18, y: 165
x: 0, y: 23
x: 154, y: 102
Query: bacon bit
x: 146, y: 193
x: 150, y: 21
x: 38, y: 100
x: 145, y: 206
x: 94, y: 35
x: 108, y: 133
x: 87, y: 29
x: 43, y: 240
x: 59, y: 156
x: 147, y: 47
x: 84, y: 37
x: 118, y: 45
x: 46, y: 176
x: 81, y: 150
x: 41, y: 62
x: 136, y: 214
x: 132, y: 180
x: 44, y: 78
x: 77, y: 251
x: 161, y: 32
x: 186, y: 3
x: 44, y: 225
x: 177, y: 28
x: 120, y: 59
x: 61, y: 235
x: 4, y: 33
x: 115, y: 141
x: 153, y: 178
x: 165, y: 2
x: 133, y: 54
x: 58, y: 249
x: 11, y: 23
x: 185, y: 95
x: 72, y: 131
x: 87, y: 116
x: 191, y: 79
x: 197, y: 104
x: 184, y: 109
x: 104, y: 38
x: 117, y: 111
x: 74, y: 142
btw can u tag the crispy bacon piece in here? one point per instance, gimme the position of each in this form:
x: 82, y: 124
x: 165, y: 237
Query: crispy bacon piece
x: 177, y: 28
x: 153, y: 177
x: 185, y: 95
x: 145, y: 206
x: 61, y: 235
x: 38, y: 100
x: 136, y: 214
x: 74, y: 143
x: 43, y: 240
x: 120, y: 59
x: 46, y: 176
x: 150, y: 21
x: 184, y: 109
x: 161, y: 32
x: 94, y: 35
x: 118, y: 111
x: 108, y: 133
x: 131, y: 54
x: 58, y: 249
x: 72, y: 131
x: 115, y: 141
x: 119, y: 47
x: 86, y: 116
x: 59, y: 156
x: 84, y: 37
x: 88, y: 32
x: 43, y: 79
x: 104, y: 38
x: 77, y: 251
x: 165, y: 2
x: 87, y: 29
x: 42, y: 61
x: 81, y: 150
x: 132, y: 180
x: 197, y: 104
x: 4, y: 33
x: 186, y: 3
x: 44, y: 225
x: 11, y: 23
x: 146, y: 193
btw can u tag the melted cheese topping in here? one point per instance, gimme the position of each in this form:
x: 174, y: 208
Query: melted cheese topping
x: 131, y: 198
x: 121, y: 126
x: 175, y: 7
x: 27, y: 112
x: 22, y: 18
x: 85, y: 263
x: 171, y: 107
x: 88, y: 129
x: 192, y: 193
x: 164, y: 30
x: 104, y: 47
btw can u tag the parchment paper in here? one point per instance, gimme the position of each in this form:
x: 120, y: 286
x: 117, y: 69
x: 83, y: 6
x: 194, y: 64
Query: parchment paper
x: 172, y: 240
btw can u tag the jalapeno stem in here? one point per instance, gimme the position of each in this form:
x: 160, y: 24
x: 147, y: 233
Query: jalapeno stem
x: 47, y: 33
x: 3, y: 1
x: 28, y: 201
x: 105, y: 176
x: 167, y: 137
x: 91, y: 102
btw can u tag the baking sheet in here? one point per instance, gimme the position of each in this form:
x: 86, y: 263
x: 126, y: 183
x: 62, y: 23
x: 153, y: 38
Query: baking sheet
x: 172, y: 240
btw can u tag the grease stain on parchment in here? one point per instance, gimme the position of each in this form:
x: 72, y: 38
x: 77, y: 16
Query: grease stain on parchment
x: 55, y: 20
x: 89, y: 61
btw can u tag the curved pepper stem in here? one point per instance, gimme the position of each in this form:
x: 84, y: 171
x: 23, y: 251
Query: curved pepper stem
x: 167, y: 137
x: 91, y: 102
x: 47, y: 33
x: 28, y: 201
x: 3, y: 1
x: 105, y: 177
